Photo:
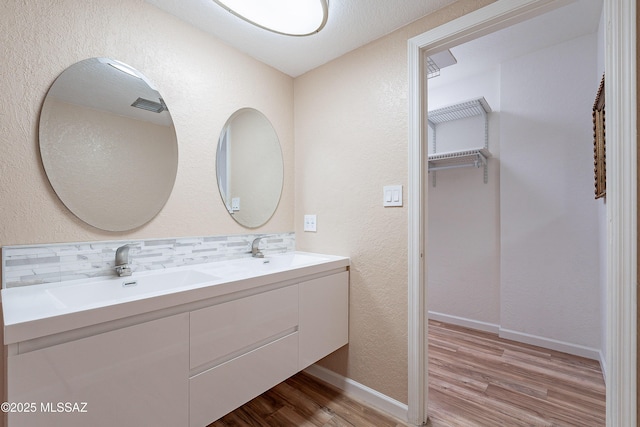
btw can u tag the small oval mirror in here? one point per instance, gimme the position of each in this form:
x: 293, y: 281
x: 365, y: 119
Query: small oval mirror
x: 249, y: 167
x: 108, y: 144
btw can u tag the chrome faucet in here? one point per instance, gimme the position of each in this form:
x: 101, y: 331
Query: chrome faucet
x: 255, y: 248
x: 122, y: 261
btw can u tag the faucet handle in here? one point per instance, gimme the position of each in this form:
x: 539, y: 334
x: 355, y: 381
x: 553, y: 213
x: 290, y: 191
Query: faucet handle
x: 123, y: 270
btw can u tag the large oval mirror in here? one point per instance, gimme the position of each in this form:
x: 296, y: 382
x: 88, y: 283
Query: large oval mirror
x: 108, y: 144
x: 249, y: 167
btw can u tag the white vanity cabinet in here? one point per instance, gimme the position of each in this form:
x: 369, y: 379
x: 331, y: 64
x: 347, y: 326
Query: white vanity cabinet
x: 324, y: 317
x: 129, y: 377
x: 183, y: 359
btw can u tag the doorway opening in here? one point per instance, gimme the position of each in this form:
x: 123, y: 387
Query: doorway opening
x: 622, y: 228
x: 513, y: 240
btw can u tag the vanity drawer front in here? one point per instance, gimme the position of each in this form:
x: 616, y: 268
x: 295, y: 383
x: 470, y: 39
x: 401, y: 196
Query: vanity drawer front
x: 224, y: 329
x: 220, y: 390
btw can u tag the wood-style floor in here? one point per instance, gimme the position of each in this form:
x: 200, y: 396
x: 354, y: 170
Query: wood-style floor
x: 475, y: 379
x: 478, y: 379
x: 303, y: 401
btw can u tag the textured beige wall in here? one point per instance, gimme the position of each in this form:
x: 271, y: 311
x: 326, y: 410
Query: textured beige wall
x: 202, y: 80
x: 351, y: 140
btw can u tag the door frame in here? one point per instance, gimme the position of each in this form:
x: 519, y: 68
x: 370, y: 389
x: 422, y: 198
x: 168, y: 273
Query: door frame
x: 621, y: 252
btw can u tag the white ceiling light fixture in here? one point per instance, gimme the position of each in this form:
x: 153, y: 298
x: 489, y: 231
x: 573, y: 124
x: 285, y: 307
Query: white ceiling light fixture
x: 288, y: 17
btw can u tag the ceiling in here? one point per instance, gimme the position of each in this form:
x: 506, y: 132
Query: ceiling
x: 574, y: 20
x: 354, y: 23
x: 351, y: 24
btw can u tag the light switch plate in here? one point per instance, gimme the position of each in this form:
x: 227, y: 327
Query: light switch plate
x: 235, y: 204
x: 310, y: 222
x: 392, y: 195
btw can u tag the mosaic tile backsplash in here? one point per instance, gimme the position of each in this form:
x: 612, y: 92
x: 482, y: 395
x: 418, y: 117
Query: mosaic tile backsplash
x: 32, y: 265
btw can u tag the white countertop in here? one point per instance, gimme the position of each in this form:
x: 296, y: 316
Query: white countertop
x: 37, y: 311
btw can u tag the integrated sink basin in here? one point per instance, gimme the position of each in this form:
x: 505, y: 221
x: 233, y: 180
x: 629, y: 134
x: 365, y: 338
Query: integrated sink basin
x: 250, y: 267
x: 47, y: 309
x: 289, y: 260
x: 125, y: 288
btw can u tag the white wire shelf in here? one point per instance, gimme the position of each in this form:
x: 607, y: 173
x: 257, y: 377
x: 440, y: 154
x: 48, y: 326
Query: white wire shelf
x: 462, y: 158
x: 463, y: 110
x: 476, y: 157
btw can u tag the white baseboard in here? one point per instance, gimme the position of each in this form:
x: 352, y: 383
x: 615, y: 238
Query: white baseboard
x: 467, y: 323
x: 603, y: 365
x: 565, y: 347
x: 360, y: 392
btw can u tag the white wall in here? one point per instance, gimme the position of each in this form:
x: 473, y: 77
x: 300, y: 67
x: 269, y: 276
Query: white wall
x: 463, y: 213
x: 550, y: 266
x: 522, y: 254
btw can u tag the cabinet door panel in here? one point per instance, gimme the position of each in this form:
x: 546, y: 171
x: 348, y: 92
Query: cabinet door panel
x: 324, y: 317
x: 223, y: 329
x: 135, y: 376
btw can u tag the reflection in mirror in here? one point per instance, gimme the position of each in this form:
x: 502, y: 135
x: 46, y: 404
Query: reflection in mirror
x: 108, y: 144
x: 249, y: 167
